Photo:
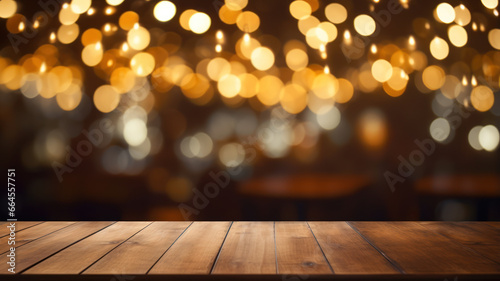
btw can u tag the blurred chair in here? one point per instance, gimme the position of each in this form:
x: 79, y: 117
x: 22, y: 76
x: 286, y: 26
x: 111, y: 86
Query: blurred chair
x: 480, y: 190
x: 299, y: 191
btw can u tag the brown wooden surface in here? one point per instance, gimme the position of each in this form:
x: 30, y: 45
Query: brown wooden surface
x: 81, y: 255
x: 297, y: 251
x: 418, y: 250
x: 347, y: 252
x: 149, y: 244
x: 441, y: 250
x: 28, y: 235
x: 195, y: 250
x: 249, y: 249
x: 482, y: 238
x: 21, y: 225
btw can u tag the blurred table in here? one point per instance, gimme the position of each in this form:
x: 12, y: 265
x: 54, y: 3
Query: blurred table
x: 267, y: 250
x: 299, y: 191
x: 480, y: 189
x: 486, y: 185
x: 305, y: 186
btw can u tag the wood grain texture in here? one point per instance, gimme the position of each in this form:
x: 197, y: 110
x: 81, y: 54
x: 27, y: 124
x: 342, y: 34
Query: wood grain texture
x: 30, y: 234
x: 347, y: 252
x: 419, y: 250
x: 249, y: 249
x: 138, y: 254
x: 31, y: 253
x: 20, y: 225
x: 195, y: 250
x: 480, y: 237
x: 81, y: 255
x: 297, y: 251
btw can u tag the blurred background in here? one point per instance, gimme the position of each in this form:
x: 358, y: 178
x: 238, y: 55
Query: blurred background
x: 251, y: 110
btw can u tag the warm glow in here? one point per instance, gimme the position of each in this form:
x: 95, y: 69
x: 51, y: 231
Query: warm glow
x: 199, y: 23
x: 164, y: 11
x: 439, y: 48
x: 364, y: 25
x: 336, y: 13
x: 262, y: 58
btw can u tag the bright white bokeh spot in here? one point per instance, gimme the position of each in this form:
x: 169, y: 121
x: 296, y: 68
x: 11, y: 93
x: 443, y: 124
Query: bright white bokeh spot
x: 164, y: 11
x: 330, y: 119
x: 135, y: 132
x: 440, y: 129
x: 474, y: 138
x: 489, y: 137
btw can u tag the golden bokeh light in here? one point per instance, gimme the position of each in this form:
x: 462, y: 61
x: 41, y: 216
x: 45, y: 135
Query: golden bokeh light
x: 236, y: 5
x: 92, y: 54
x: 128, y: 20
x: 142, y: 64
x: 433, y: 77
x: 69, y: 99
x: 7, y: 8
x: 199, y: 23
x: 345, y: 91
x: 364, y: 25
x: 300, y: 9
x: 262, y: 58
x: 445, y: 12
x: 293, y: 98
x: 164, y: 11
x: 248, y: 21
x: 307, y: 23
x: 458, y: 35
x: 336, y: 13
x: 114, y: 2
x: 91, y: 36
x: 439, y: 48
x: 67, y: 16
x: 66, y: 34
x: 106, y: 98
x: 138, y: 38
x: 462, y: 15
x: 122, y: 79
x: 269, y: 90
x: 297, y: 59
x: 80, y: 6
x: 494, y: 38
x: 249, y: 85
x: 229, y: 85
x: 217, y: 68
x: 228, y: 16
x: 325, y: 86
x: 381, y: 70
x: 490, y: 4
x: 482, y: 98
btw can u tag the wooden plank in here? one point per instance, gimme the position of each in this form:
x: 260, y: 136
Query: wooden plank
x: 249, y: 249
x: 20, y: 225
x: 46, y: 246
x: 480, y: 237
x: 149, y: 245
x: 297, y: 251
x: 30, y: 234
x: 418, y: 250
x: 347, y: 252
x: 81, y: 255
x: 195, y: 250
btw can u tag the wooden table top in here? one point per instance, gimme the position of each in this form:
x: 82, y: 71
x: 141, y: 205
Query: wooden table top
x: 306, y: 250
